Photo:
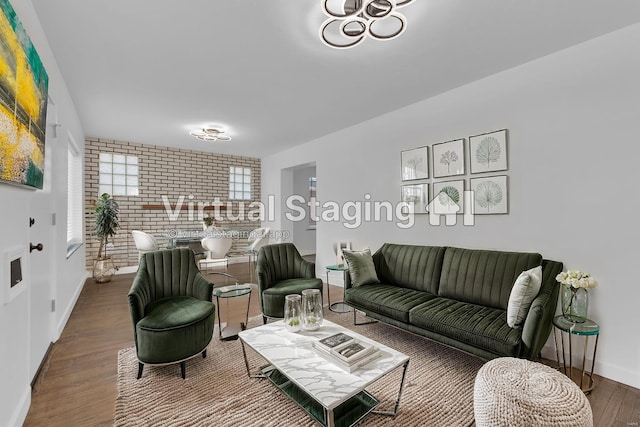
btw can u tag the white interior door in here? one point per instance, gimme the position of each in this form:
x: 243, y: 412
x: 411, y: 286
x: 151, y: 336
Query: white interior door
x: 42, y: 280
x: 41, y: 266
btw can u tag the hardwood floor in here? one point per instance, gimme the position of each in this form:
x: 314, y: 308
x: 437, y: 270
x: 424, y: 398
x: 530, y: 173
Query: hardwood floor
x: 77, y: 384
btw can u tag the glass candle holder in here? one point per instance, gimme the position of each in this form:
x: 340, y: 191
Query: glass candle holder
x: 311, y: 309
x: 292, y: 312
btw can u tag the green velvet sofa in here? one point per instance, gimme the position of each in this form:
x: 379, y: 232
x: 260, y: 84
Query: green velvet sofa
x: 458, y: 297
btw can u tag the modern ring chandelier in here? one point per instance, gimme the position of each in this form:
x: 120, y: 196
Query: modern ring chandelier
x: 210, y: 134
x: 350, y: 22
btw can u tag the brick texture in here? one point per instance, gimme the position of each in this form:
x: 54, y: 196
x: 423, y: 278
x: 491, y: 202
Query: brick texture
x: 197, y: 177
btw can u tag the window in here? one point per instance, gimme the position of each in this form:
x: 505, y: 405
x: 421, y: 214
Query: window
x: 312, y: 196
x: 239, y: 183
x: 118, y: 174
x: 74, y: 196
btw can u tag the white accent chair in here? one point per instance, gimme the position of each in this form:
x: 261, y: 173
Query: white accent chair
x: 144, y: 243
x: 257, y: 239
x: 217, y: 247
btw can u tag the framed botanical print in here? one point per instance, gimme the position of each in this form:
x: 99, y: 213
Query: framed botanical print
x: 448, y: 158
x: 448, y: 197
x: 490, y: 195
x: 488, y: 152
x: 417, y: 198
x: 415, y: 163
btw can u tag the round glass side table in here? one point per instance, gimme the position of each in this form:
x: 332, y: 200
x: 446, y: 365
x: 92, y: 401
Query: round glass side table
x: 566, y: 327
x: 340, y: 307
x: 230, y: 332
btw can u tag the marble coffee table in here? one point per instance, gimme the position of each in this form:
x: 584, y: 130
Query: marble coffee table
x: 332, y: 396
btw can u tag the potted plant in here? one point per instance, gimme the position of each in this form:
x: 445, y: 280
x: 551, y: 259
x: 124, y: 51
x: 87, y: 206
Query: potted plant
x: 208, y: 221
x: 107, y: 223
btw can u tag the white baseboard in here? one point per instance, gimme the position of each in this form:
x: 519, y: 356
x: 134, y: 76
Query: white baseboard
x: 617, y: 373
x: 67, y: 312
x: 22, y: 409
x: 606, y: 370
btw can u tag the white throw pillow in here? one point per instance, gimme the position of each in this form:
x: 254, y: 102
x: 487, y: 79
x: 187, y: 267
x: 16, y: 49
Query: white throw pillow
x: 524, y: 290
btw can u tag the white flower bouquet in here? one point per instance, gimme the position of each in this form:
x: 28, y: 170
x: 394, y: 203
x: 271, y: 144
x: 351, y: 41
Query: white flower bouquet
x: 577, y: 279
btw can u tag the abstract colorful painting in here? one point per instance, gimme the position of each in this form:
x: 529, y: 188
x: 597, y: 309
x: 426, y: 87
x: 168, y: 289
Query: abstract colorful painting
x: 23, y: 104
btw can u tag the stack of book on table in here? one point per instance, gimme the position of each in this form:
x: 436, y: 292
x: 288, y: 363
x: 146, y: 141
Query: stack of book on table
x: 346, y: 352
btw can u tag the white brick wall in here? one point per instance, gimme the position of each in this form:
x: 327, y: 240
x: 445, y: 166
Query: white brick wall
x: 163, y: 171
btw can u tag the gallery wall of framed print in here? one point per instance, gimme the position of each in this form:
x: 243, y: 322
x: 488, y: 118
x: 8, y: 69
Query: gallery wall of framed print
x: 488, y: 152
x: 448, y: 158
x: 415, y: 163
x: 448, y: 197
x: 490, y: 195
x: 23, y: 104
x: 417, y: 197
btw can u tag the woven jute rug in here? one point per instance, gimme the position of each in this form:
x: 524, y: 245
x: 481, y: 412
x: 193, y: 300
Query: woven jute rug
x: 438, y: 388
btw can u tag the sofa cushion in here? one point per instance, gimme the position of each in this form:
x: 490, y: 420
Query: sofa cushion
x: 361, y: 268
x: 408, y: 266
x: 273, y: 297
x: 483, y: 277
x: 174, y: 329
x: 391, y: 301
x: 174, y: 312
x: 523, y: 292
x: 479, y: 326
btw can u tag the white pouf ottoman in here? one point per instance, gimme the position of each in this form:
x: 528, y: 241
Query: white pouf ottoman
x: 512, y: 392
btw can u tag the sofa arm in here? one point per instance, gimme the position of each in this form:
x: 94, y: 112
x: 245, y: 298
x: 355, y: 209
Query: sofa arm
x: 202, y: 288
x: 308, y: 269
x: 139, y: 296
x: 346, y: 277
x: 538, y: 324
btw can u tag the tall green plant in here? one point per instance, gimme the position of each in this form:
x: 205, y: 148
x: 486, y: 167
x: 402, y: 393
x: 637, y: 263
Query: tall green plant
x: 107, y: 211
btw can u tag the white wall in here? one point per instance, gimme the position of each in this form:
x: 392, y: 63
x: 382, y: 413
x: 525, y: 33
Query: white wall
x: 67, y: 277
x: 303, y: 237
x: 573, y: 118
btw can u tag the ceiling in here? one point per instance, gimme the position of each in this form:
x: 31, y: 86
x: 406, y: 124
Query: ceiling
x: 151, y: 71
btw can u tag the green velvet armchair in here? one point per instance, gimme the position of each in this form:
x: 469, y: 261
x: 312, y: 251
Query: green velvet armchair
x: 171, y: 308
x: 281, y: 271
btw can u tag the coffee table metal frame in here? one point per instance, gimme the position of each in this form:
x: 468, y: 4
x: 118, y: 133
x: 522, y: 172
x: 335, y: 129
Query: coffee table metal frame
x: 343, y: 406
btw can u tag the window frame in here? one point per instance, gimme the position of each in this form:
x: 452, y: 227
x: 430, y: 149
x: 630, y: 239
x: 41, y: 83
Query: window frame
x: 239, y: 178
x: 124, y: 168
x: 75, y: 196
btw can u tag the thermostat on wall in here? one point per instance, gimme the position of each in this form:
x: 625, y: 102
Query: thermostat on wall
x: 15, y: 275
x: 13, y: 282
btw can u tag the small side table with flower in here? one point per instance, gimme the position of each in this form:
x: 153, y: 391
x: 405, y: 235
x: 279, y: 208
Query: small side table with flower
x: 574, y: 321
x: 575, y: 294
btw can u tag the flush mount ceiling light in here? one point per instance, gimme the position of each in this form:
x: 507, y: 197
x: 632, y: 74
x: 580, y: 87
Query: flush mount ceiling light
x: 210, y: 134
x: 352, y: 21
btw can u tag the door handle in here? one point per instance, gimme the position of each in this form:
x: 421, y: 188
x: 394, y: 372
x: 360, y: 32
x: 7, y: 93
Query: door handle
x: 33, y: 247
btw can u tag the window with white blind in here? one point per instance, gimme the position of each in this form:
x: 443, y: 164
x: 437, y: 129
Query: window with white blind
x: 74, y: 196
x: 239, y: 183
x: 118, y: 174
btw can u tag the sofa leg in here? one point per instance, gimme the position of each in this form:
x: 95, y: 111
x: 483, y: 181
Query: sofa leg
x: 182, y: 369
x: 140, y: 368
x: 264, y: 320
x: 204, y: 354
x: 355, y: 322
